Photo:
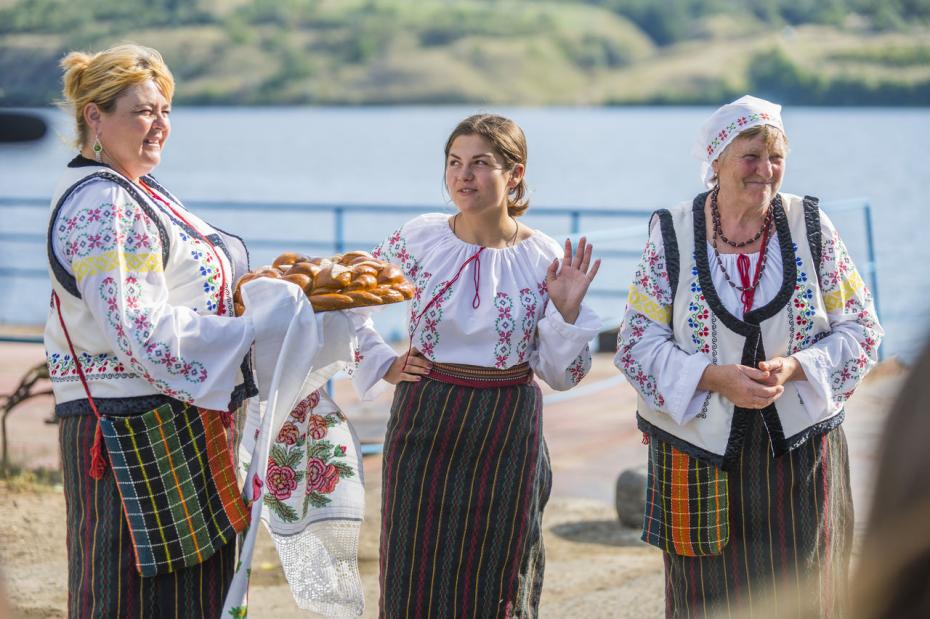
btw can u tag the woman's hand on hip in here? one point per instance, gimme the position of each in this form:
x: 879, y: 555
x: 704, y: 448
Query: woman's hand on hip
x: 568, y: 285
x: 741, y: 384
x: 410, y: 367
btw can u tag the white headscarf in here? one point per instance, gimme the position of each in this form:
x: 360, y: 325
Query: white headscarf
x: 728, y: 122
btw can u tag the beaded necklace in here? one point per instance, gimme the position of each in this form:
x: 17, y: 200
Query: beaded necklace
x: 748, y: 288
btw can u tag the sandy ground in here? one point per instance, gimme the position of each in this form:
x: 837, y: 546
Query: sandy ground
x: 594, y: 567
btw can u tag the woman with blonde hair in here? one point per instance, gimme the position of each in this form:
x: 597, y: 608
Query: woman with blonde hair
x: 466, y: 473
x: 145, y: 356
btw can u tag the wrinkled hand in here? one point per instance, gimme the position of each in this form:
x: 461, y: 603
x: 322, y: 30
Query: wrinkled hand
x: 569, y: 284
x: 746, y: 387
x: 410, y: 367
x: 781, y: 370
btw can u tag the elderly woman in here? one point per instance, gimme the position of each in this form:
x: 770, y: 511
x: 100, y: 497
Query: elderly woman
x: 747, y: 328
x: 141, y: 330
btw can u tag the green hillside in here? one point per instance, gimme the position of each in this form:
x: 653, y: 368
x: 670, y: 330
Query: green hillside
x: 581, y: 52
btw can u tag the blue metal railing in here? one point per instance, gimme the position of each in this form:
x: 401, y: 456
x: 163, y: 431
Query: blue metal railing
x: 573, y: 218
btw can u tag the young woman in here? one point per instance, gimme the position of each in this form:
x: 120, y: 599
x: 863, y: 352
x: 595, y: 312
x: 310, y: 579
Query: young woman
x: 466, y: 473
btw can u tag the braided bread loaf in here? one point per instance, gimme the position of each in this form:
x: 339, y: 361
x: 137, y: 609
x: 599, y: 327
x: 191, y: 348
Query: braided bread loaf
x: 352, y: 279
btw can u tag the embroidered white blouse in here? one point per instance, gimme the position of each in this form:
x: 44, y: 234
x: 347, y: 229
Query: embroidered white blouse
x: 144, y: 324
x: 495, y: 315
x: 853, y: 341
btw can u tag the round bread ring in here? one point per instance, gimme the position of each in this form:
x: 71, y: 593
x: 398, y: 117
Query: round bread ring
x: 239, y: 308
x: 288, y: 258
x: 331, y: 301
x: 301, y: 279
x: 388, y: 294
x: 362, y: 282
x: 362, y: 298
x: 391, y: 274
x: 405, y: 289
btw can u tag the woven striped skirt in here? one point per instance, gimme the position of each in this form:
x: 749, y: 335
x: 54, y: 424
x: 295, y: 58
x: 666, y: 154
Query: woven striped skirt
x: 791, y: 524
x: 102, y: 577
x: 466, y: 477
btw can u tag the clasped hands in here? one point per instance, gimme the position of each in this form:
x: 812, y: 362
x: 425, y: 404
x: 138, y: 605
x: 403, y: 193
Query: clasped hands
x: 749, y: 387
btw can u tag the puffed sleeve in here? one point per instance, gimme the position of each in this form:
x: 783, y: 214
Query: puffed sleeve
x: 664, y: 375
x: 835, y: 365
x: 562, y: 356
x: 114, y: 252
x: 372, y: 356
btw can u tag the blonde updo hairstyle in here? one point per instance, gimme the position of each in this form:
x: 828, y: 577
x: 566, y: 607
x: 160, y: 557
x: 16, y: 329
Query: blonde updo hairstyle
x: 507, y: 138
x: 769, y: 134
x: 102, y: 77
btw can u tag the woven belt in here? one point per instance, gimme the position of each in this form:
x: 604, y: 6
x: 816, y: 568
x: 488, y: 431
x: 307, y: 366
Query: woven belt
x: 481, y: 377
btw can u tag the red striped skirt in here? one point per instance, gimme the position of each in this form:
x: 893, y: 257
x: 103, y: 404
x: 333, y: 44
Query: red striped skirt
x: 791, y: 527
x: 102, y: 577
x: 466, y: 478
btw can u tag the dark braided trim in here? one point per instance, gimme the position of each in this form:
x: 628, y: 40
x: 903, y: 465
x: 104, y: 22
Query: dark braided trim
x: 67, y: 280
x: 678, y: 443
x: 814, y: 236
x: 802, y: 437
x: 749, y: 327
x: 120, y: 407
x: 704, y: 277
x: 670, y: 242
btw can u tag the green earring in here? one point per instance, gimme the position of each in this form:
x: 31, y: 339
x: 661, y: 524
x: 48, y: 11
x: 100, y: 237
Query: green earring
x: 98, y: 149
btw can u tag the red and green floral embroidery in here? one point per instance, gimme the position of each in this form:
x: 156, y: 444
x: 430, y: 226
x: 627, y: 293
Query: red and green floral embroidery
x: 578, y: 368
x: 845, y: 297
x: 699, y: 321
x: 530, y: 302
x: 843, y: 382
x: 208, y: 270
x: 428, y: 326
x: 303, y: 454
x: 503, y: 326
x: 107, y: 366
x: 105, y: 228
x: 125, y: 310
x: 631, y: 332
x: 734, y: 128
x: 801, y: 311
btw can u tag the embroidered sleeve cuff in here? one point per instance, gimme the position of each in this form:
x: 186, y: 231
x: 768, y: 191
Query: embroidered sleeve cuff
x: 560, y: 343
x: 816, y: 392
x: 685, y: 399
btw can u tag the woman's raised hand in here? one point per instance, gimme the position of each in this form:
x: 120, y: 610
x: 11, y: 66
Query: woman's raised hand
x: 410, y: 367
x: 569, y: 284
